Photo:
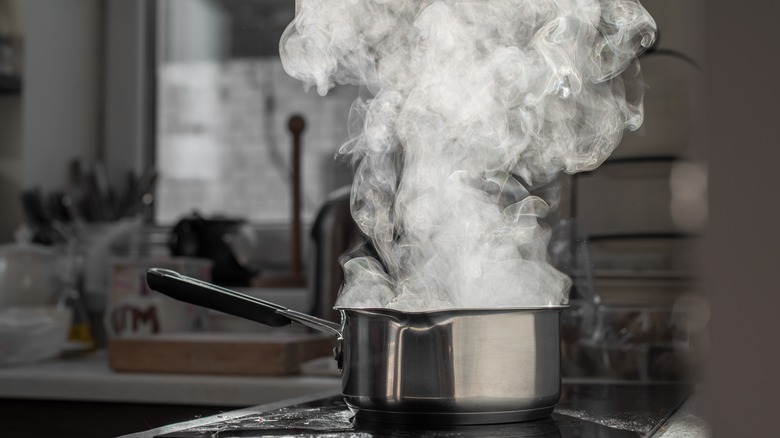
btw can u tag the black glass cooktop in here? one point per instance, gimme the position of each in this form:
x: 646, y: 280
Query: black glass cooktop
x: 586, y: 410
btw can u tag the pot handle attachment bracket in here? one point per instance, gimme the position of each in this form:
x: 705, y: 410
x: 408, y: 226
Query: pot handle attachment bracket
x: 338, y: 353
x: 320, y: 324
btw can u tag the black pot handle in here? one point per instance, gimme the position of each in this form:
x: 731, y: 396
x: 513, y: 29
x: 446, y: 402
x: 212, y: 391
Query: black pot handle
x: 201, y: 293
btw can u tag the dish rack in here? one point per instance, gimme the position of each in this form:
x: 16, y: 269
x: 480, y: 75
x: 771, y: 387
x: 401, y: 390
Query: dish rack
x: 622, y: 332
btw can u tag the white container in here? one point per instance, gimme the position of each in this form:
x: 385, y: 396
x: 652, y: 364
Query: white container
x: 135, y: 310
x: 32, y: 334
x: 28, y: 275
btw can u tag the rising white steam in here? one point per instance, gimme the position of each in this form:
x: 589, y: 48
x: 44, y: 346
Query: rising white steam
x: 471, y: 102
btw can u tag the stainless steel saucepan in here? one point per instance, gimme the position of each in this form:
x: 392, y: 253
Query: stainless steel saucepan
x: 456, y: 366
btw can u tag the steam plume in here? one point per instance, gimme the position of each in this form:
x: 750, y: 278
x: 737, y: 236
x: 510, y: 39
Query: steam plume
x: 471, y: 103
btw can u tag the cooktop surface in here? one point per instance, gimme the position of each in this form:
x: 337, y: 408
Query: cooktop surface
x: 585, y: 410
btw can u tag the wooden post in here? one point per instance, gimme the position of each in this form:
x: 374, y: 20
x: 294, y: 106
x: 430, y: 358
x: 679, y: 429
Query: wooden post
x: 296, y: 277
x: 296, y: 126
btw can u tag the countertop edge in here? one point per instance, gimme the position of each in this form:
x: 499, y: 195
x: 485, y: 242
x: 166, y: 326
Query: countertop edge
x: 90, y: 379
x: 685, y: 421
x: 230, y: 415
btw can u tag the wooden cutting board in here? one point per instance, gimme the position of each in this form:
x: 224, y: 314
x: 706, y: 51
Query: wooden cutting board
x: 259, y: 354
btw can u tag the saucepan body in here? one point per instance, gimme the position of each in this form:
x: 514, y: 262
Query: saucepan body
x: 458, y: 366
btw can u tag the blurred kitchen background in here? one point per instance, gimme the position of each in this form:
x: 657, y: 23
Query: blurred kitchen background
x: 158, y: 133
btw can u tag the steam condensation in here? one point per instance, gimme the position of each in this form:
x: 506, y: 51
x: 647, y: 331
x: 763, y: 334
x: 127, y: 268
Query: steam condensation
x: 469, y: 104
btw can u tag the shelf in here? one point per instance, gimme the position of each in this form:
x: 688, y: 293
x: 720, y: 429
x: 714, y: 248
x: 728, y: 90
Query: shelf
x: 636, y: 274
x: 10, y: 85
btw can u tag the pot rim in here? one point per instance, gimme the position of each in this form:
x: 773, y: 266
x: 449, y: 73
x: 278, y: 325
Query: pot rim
x: 457, y: 310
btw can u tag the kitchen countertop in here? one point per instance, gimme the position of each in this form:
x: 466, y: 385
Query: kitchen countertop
x: 587, y: 408
x: 89, y: 378
x: 686, y: 422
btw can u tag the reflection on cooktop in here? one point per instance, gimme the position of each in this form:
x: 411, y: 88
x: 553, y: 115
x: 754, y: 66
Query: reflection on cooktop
x: 586, y: 410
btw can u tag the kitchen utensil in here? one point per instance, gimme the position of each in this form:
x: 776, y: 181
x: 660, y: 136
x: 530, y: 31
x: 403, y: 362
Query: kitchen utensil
x: 34, y: 208
x: 141, y: 194
x: 455, y: 366
x: 59, y: 207
x: 104, y: 192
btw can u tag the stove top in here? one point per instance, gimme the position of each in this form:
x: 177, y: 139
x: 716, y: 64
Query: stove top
x: 586, y: 410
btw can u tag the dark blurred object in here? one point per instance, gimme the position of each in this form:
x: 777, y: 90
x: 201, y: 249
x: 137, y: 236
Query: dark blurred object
x: 10, y: 84
x: 634, y: 343
x: 101, y: 196
x: 224, y: 241
x: 60, y: 207
x: 34, y: 210
x: 83, y: 187
x: 632, y: 293
x: 138, y: 195
x: 7, y: 56
x: 662, y: 336
x: 93, y: 199
x: 333, y: 233
x: 39, y: 219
